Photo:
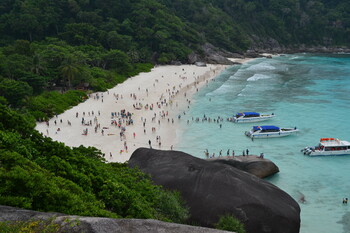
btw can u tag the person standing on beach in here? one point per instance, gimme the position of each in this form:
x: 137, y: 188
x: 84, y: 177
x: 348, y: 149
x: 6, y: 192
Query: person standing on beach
x: 150, y: 145
x: 247, y: 152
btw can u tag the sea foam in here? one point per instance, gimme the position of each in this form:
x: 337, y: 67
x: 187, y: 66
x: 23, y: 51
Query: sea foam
x: 261, y: 67
x: 257, y: 77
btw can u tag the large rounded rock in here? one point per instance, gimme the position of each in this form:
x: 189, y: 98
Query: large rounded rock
x: 252, y: 164
x: 212, y: 190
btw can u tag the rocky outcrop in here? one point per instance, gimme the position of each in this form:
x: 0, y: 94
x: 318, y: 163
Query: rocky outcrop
x: 261, y: 45
x: 252, y: 164
x: 212, y: 190
x: 213, y: 55
x: 77, y: 224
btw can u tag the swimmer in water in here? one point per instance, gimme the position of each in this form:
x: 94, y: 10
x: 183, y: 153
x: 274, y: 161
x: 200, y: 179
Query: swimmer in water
x: 302, y: 198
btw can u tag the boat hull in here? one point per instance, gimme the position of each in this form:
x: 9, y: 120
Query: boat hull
x: 279, y: 134
x: 315, y: 153
x: 252, y: 119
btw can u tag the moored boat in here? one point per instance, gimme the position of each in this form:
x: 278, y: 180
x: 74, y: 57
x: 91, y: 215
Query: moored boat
x: 328, y: 147
x: 270, y: 131
x: 244, y: 117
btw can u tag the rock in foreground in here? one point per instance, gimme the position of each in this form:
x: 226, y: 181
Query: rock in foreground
x: 252, y: 164
x: 212, y: 190
x: 77, y: 224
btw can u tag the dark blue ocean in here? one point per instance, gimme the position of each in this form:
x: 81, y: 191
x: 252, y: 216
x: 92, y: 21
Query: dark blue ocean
x: 310, y: 92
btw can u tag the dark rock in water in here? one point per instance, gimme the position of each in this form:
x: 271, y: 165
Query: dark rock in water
x: 212, y: 190
x: 252, y: 164
x: 346, y: 222
x: 75, y: 224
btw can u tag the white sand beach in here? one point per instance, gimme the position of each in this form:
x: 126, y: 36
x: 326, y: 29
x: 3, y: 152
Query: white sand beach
x: 153, y: 100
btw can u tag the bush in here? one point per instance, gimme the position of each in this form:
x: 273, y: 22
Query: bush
x: 230, y: 223
x: 171, y: 206
x: 50, y: 103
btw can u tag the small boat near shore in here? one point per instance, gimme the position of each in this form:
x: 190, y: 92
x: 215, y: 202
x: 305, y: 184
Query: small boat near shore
x: 245, y: 117
x: 328, y: 147
x: 270, y: 131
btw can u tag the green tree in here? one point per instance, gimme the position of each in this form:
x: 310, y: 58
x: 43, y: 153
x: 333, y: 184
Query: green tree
x: 14, y: 65
x: 80, y: 34
x: 71, y: 69
x: 38, y: 66
x: 15, y: 91
x: 120, y: 42
x: 37, y: 82
x: 117, y: 60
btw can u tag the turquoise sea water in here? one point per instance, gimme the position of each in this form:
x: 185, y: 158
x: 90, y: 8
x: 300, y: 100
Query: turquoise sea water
x: 311, y: 92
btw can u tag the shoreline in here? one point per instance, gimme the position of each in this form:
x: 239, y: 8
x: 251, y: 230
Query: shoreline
x: 152, y: 102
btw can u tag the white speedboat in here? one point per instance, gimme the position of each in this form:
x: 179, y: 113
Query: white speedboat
x: 270, y: 131
x: 244, y: 117
x: 328, y: 146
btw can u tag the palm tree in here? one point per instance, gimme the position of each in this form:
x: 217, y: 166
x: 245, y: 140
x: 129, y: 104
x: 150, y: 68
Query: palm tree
x: 71, y: 70
x: 38, y: 66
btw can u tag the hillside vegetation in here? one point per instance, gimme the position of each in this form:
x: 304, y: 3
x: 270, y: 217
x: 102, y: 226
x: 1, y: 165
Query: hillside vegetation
x: 63, y: 44
x: 53, y: 52
x: 40, y: 174
x: 168, y: 30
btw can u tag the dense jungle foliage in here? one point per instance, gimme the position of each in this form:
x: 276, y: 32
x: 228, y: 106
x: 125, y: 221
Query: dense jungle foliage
x: 35, y: 76
x: 171, y: 28
x: 50, y: 45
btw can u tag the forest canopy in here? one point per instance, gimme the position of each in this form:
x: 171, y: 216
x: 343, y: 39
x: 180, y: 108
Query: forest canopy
x: 155, y: 26
x: 95, y: 44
